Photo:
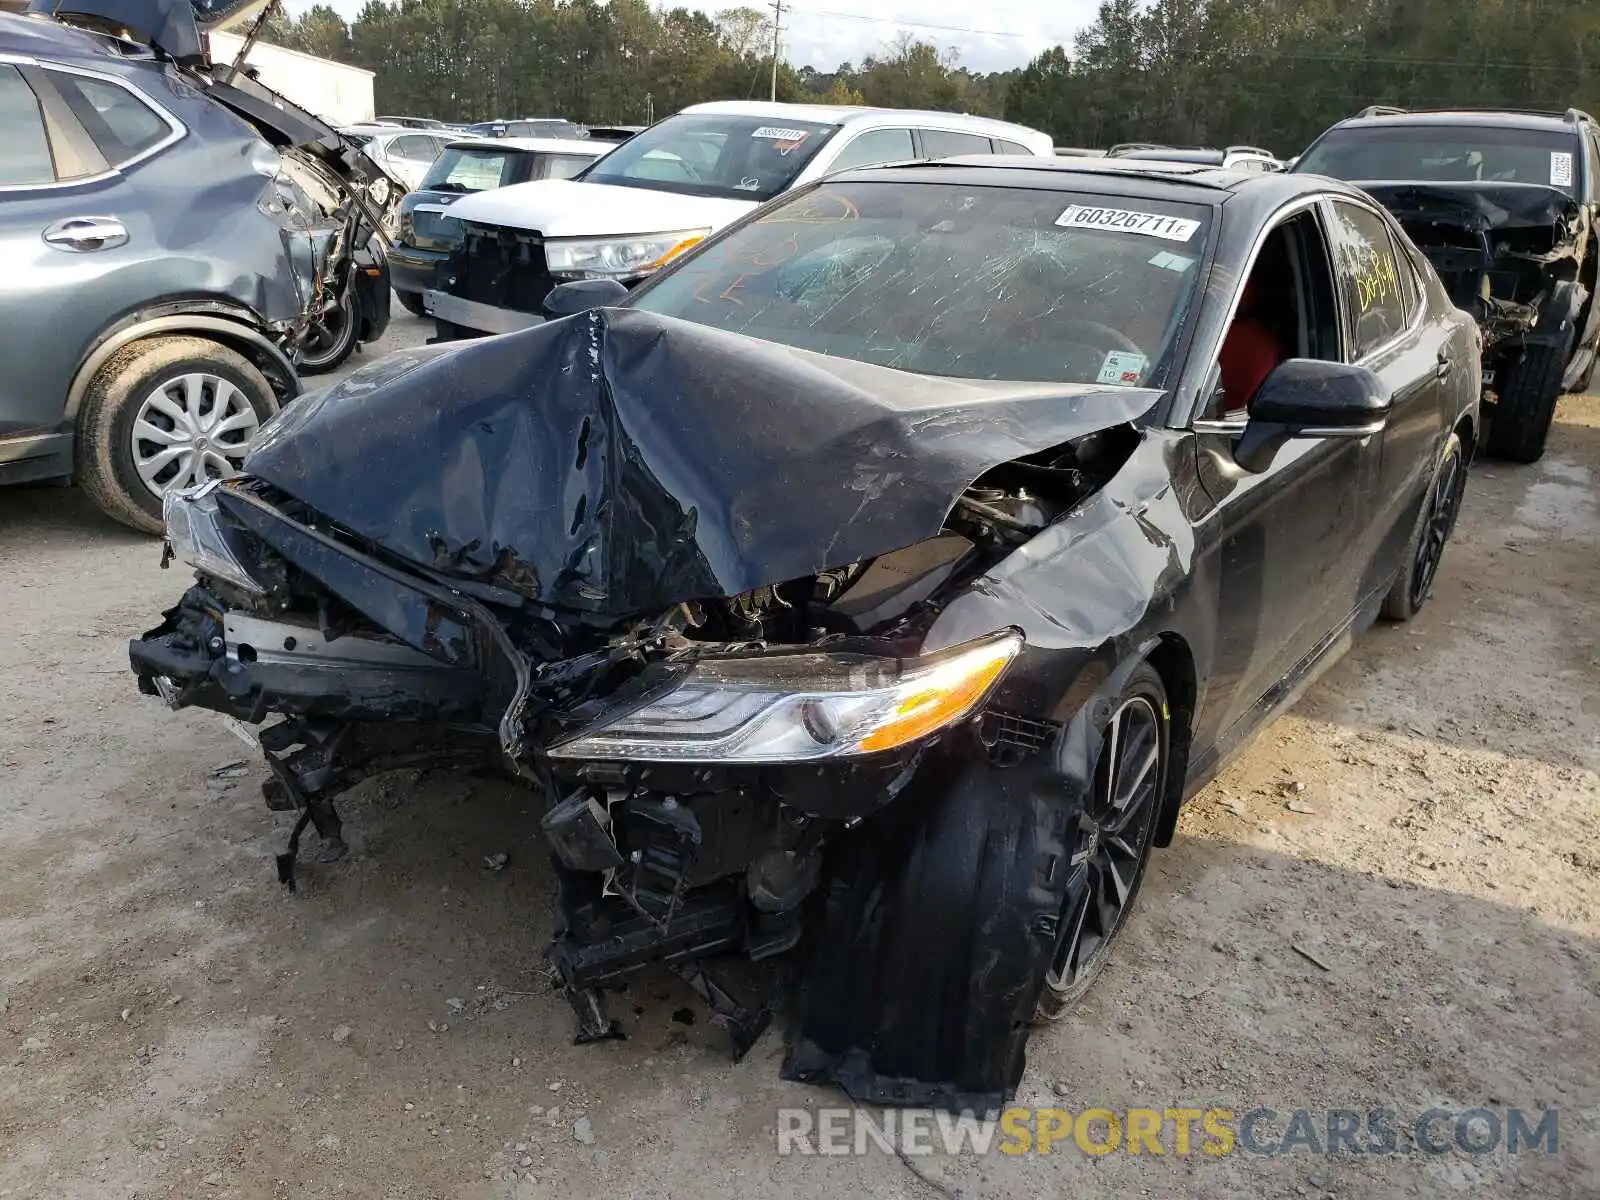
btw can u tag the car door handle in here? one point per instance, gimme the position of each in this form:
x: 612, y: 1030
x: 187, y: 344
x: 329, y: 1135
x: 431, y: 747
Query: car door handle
x: 83, y: 234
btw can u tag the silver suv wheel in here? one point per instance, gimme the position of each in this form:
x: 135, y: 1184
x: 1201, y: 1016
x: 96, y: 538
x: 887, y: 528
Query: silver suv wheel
x: 191, y: 428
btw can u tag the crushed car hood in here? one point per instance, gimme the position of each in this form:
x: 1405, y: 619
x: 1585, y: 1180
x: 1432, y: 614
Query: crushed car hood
x: 620, y: 462
x: 571, y: 208
x: 1478, y: 206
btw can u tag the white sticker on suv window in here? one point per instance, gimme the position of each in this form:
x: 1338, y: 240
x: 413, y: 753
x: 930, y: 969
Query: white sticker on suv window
x: 1560, y: 168
x: 778, y: 133
x: 1123, y: 367
x: 1121, y: 220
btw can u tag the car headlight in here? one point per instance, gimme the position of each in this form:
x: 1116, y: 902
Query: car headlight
x: 786, y: 708
x: 608, y: 258
x: 196, y: 536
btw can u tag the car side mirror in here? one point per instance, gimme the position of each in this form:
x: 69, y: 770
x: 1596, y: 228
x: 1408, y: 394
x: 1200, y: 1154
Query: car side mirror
x: 580, y: 295
x: 1305, y: 397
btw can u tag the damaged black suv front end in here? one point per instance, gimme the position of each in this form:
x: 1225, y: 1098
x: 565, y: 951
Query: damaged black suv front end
x: 1506, y: 207
x: 736, y: 710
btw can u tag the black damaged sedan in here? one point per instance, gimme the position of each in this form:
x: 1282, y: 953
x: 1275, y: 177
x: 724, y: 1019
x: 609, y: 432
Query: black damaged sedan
x: 870, y: 588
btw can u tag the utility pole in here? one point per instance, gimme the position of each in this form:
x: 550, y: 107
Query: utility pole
x: 777, y: 28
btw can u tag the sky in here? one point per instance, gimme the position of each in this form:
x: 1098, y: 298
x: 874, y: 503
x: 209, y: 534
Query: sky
x: 991, y: 36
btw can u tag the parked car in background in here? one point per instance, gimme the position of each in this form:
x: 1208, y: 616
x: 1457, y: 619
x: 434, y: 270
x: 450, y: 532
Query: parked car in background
x: 1233, y: 158
x: 528, y: 127
x: 413, y: 122
x: 167, y: 237
x: 406, y: 154
x: 1507, y: 206
x: 612, y: 133
x: 670, y: 187
x: 466, y: 166
x: 879, y: 578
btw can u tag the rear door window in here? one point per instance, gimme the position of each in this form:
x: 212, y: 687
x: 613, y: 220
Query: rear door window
x: 941, y: 143
x: 874, y: 148
x: 24, y: 149
x: 122, y: 126
x: 413, y: 148
x: 1377, y: 281
x: 564, y: 166
x: 471, y: 170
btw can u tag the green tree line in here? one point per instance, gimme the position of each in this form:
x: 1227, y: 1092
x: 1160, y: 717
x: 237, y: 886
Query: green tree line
x: 1278, y: 72
x: 1192, y: 72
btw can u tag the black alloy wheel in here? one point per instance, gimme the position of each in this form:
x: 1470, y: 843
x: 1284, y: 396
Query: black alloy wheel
x: 1113, y: 841
x: 1437, y: 527
x: 1435, y: 523
x: 333, y: 332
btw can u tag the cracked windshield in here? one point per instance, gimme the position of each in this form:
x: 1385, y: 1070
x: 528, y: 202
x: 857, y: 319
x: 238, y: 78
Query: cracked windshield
x: 1016, y: 284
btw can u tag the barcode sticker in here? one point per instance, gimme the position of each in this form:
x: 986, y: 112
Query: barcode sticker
x: 1121, y: 220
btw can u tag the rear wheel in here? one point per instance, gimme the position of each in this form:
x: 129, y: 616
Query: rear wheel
x: 1435, y: 523
x: 412, y: 303
x: 1526, y: 403
x: 333, y: 334
x: 166, y: 413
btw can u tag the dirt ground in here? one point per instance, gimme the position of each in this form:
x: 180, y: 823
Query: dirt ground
x: 1425, y: 824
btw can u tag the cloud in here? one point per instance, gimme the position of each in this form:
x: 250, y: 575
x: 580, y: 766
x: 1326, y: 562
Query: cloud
x: 995, y: 36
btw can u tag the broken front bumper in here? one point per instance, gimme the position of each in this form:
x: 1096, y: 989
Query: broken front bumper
x: 249, y: 667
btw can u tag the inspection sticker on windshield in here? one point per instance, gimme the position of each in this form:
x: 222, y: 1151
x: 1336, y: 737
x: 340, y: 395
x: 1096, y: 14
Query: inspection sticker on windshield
x: 1120, y: 220
x: 1124, y: 367
x: 1560, y: 168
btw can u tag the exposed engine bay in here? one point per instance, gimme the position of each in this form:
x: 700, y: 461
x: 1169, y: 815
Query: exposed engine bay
x: 1509, y: 254
x: 702, y: 759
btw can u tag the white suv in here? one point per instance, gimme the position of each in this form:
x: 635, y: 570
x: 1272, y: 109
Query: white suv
x: 670, y: 187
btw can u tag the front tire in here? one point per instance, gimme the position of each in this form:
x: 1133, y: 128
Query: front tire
x: 945, y: 920
x: 1526, y: 405
x: 163, y: 413
x: 1435, y: 523
x: 1115, y: 835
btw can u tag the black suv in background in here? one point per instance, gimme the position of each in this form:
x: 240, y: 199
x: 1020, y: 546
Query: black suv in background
x: 468, y: 165
x: 1506, y: 205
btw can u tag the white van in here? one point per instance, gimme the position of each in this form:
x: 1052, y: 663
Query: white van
x: 670, y: 187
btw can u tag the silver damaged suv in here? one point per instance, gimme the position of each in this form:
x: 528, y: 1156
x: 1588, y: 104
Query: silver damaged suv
x: 169, y: 229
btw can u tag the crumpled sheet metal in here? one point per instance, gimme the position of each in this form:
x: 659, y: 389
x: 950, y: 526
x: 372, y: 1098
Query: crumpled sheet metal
x: 622, y: 462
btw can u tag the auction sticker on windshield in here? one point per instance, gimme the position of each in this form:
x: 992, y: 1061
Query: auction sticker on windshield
x: 1121, y: 220
x: 1560, y: 169
x: 778, y: 133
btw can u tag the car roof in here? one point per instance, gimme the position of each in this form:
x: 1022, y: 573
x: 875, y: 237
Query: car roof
x: 531, y: 145
x: 1133, y: 179
x: 851, y: 114
x: 1182, y: 154
x: 45, y: 37
x: 1550, y: 122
